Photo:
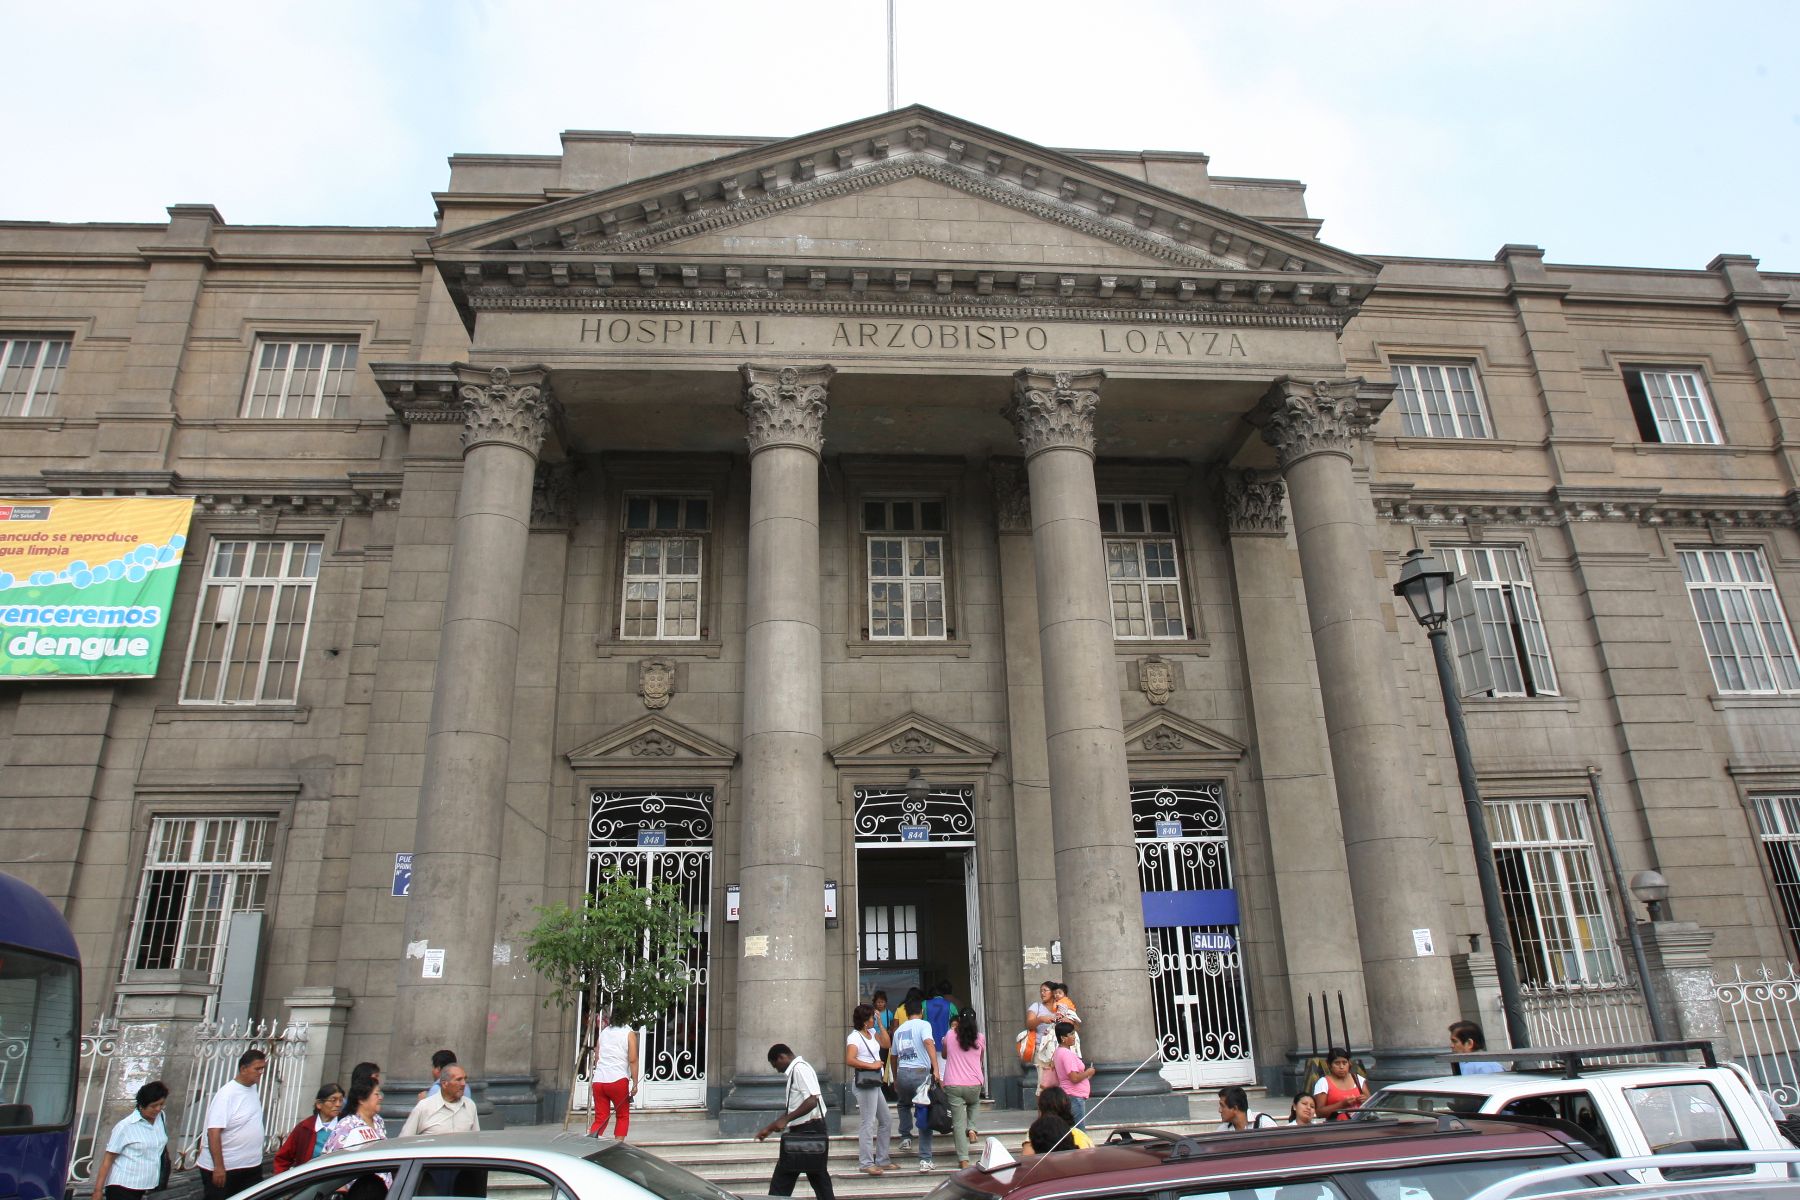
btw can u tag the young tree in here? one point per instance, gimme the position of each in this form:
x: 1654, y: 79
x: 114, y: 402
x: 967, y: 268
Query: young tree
x: 625, y: 945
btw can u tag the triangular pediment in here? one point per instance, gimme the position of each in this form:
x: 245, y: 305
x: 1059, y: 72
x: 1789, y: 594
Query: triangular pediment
x: 913, y: 202
x: 1169, y: 735
x: 913, y: 739
x: 648, y: 741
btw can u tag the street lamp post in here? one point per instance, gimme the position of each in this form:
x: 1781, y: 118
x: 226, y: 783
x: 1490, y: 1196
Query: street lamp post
x: 1425, y: 586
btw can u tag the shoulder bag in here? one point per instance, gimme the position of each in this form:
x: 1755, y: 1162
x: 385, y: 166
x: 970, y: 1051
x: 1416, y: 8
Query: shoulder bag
x: 805, y: 1148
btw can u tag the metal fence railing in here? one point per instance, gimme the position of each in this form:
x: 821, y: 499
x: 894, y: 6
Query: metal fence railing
x: 1585, y: 1014
x: 1762, y: 1011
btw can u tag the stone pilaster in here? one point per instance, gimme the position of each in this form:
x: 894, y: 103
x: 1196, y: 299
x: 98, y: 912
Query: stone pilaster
x: 1389, y: 849
x: 1319, y: 945
x: 781, y: 989
x: 1679, y: 955
x: 460, y: 823
x: 1100, y: 912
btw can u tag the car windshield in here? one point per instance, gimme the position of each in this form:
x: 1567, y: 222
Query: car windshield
x: 1391, y: 1100
x: 654, y: 1175
x: 1458, y: 1180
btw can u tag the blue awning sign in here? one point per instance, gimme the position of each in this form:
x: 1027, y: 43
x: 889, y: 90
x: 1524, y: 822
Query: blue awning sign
x: 1217, y: 906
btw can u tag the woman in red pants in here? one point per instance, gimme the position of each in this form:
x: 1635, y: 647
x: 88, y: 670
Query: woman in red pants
x: 614, y: 1073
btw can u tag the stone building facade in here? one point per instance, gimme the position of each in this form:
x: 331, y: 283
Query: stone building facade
x: 993, y: 540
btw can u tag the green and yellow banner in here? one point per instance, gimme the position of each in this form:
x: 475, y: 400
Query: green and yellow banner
x: 86, y: 584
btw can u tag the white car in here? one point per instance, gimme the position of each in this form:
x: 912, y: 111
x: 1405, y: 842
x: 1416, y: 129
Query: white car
x: 499, y: 1165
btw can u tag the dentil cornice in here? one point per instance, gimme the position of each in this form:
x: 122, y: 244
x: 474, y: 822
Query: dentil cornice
x: 1054, y: 409
x: 786, y: 406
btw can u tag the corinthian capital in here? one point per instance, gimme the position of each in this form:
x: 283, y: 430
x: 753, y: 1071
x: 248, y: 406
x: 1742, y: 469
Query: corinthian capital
x: 1325, y: 416
x: 512, y: 408
x: 1051, y: 410
x: 786, y: 406
x: 1252, y: 504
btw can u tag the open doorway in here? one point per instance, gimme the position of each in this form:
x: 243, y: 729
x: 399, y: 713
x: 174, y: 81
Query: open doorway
x: 914, y: 922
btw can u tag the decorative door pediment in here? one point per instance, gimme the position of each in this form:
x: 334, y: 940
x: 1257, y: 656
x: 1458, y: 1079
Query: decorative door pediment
x: 648, y: 742
x: 913, y: 204
x: 913, y: 740
x: 1165, y: 736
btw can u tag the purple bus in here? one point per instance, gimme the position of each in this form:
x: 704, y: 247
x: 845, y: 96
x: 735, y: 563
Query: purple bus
x: 40, y: 1043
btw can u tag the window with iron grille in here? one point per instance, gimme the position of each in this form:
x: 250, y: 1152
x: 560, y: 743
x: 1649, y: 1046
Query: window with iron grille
x: 1551, y: 889
x: 665, y: 538
x: 30, y: 369
x: 1441, y: 400
x: 1778, y: 821
x: 1143, y: 569
x: 904, y: 544
x: 890, y: 933
x: 297, y: 378
x: 1506, y: 619
x: 250, y: 627
x: 1671, y: 405
x: 1748, y: 642
x: 198, y: 872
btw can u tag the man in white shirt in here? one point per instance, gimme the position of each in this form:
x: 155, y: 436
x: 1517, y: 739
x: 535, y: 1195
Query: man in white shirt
x: 231, y: 1158
x: 450, y: 1111
x: 804, y: 1103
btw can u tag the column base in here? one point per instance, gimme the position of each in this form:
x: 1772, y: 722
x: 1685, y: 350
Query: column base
x: 1397, y: 1064
x: 1146, y: 1097
x: 755, y: 1100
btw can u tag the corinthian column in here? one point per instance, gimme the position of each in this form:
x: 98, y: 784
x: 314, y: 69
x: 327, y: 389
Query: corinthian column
x: 456, y: 843
x: 781, y: 873
x: 1388, y: 844
x: 1098, y: 902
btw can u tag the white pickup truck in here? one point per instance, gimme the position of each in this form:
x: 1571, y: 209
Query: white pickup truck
x: 1626, y: 1111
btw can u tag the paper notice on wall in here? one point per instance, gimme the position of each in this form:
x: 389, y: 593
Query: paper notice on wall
x: 502, y: 953
x: 1036, y: 956
x: 756, y: 946
x: 434, y: 963
x: 1422, y: 943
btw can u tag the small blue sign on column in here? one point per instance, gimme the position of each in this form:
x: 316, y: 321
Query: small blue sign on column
x: 915, y: 833
x: 1168, y: 829
x: 402, y: 874
x: 653, y: 837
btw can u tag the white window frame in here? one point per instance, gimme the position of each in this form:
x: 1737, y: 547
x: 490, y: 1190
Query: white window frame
x: 1744, y: 630
x: 231, y: 577
x: 235, y: 879
x: 1130, y: 554
x: 921, y: 588
x: 1440, y: 399
x: 272, y: 393
x: 889, y: 929
x: 1571, y: 941
x: 31, y: 388
x: 1678, y: 405
x: 1778, y: 828
x: 1513, y: 637
x: 662, y: 578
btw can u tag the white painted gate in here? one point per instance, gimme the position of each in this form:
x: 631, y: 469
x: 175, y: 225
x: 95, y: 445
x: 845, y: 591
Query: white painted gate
x: 660, y: 837
x: 1196, y: 970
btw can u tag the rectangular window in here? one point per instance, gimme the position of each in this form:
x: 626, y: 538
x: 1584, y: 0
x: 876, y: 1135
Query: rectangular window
x: 1440, y: 399
x: 198, y: 872
x: 1746, y: 633
x: 1671, y: 405
x: 1778, y: 821
x: 300, y: 379
x: 904, y: 541
x: 1507, y: 618
x: 1143, y: 569
x: 664, y: 542
x: 30, y: 369
x: 250, y: 628
x: 890, y: 933
x: 1551, y: 890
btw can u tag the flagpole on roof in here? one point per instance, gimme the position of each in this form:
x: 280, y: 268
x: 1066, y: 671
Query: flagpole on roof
x: 893, y: 70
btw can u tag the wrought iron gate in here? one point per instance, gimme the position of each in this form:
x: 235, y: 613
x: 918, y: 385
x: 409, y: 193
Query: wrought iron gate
x: 1197, y: 967
x: 660, y: 837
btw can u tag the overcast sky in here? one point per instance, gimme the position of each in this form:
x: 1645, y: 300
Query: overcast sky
x: 1635, y: 132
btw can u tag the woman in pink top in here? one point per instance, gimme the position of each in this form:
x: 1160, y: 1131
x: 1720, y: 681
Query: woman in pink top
x: 1072, y: 1074
x: 964, y: 1073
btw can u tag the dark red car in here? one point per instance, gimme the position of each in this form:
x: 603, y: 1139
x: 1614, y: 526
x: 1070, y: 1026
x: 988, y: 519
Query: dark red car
x: 1383, y: 1158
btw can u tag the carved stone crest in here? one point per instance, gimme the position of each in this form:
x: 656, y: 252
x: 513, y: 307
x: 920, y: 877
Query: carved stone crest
x: 654, y: 745
x: 786, y: 407
x: 516, y: 412
x: 1012, y: 498
x: 1303, y: 419
x: 1252, y: 504
x: 1156, y: 679
x: 1163, y: 738
x: 912, y: 742
x: 656, y: 681
x: 553, y: 494
x: 1051, y: 410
